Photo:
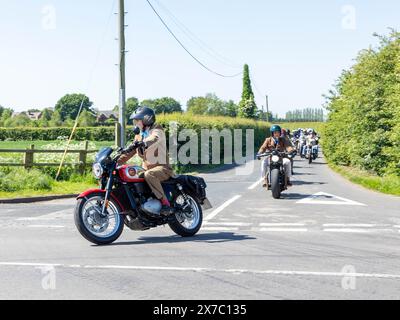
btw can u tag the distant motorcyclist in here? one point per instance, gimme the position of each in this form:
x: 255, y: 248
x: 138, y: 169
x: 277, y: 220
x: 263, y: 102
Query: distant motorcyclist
x: 276, y: 142
x: 312, y: 141
x: 302, y: 143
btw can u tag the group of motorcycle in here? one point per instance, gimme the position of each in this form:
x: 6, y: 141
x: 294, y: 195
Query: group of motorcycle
x: 124, y: 198
x: 306, y: 144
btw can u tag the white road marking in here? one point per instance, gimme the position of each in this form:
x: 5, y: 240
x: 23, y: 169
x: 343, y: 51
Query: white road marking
x: 46, y: 226
x: 63, y: 214
x: 19, y: 264
x: 210, y: 270
x: 315, y: 199
x: 283, y: 229
x: 352, y: 225
x: 219, y: 229
x: 282, y: 224
x: 228, y: 224
x: 213, y: 214
x: 255, y: 185
x: 348, y: 230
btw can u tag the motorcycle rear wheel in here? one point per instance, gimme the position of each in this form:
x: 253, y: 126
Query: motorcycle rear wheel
x: 187, y: 225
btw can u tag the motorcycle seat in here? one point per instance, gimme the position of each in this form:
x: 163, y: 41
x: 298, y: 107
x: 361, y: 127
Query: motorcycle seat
x: 173, y: 180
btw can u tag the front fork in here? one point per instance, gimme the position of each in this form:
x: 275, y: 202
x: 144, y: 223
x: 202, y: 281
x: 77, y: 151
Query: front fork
x: 108, y: 194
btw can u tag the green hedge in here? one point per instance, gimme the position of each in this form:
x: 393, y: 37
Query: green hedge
x: 185, y: 121
x: 50, y: 134
x: 363, y: 128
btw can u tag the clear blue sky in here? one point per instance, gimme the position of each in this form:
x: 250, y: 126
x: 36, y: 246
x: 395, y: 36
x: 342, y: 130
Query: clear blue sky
x: 295, y: 49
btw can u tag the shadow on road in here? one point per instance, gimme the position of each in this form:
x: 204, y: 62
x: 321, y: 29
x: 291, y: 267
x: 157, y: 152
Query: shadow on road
x: 319, y: 163
x: 294, y: 196
x: 303, y: 183
x: 205, y: 237
x: 303, y: 173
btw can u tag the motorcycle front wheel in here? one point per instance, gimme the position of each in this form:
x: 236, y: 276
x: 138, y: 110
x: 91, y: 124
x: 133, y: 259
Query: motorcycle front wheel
x: 95, y: 227
x: 275, y: 185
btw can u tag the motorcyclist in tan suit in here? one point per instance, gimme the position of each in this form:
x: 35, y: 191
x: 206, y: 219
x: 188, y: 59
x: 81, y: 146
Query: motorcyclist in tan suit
x: 151, y: 146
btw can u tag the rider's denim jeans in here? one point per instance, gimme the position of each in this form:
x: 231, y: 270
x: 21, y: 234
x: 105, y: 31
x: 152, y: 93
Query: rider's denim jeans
x: 287, y: 164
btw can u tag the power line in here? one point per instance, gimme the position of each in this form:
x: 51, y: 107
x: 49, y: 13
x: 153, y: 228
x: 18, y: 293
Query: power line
x: 183, y: 46
x: 201, y: 44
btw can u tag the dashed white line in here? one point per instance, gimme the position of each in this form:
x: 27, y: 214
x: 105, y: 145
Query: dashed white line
x: 226, y: 204
x: 282, y: 224
x: 352, y: 225
x: 255, y: 185
x: 349, y: 230
x: 62, y: 214
x: 46, y: 227
x: 228, y: 224
x: 283, y: 229
x: 237, y: 272
x: 219, y: 229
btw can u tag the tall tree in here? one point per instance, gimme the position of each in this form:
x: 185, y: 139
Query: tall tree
x: 68, y: 106
x: 231, y: 108
x: 163, y: 105
x: 197, y: 105
x: 87, y: 119
x: 6, y: 115
x: 247, y: 106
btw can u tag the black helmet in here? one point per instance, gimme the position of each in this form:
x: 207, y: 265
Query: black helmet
x: 147, y: 115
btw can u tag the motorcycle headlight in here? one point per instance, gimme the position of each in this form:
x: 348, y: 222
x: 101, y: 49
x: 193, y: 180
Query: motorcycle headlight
x: 275, y: 158
x: 98, y: 170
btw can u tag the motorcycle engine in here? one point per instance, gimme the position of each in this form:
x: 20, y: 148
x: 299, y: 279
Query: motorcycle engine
x: 152, y: 207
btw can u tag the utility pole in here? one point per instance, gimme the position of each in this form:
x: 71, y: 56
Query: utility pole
x: 122, y: 83
x: 267, y: 108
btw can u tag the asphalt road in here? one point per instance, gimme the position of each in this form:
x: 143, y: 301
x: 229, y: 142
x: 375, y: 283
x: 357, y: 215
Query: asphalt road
x: 325, y: 239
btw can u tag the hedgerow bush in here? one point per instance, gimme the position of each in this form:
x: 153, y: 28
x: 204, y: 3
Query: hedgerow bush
x: 108, y: 133
x: 363, y: 128
x: 17, y: 179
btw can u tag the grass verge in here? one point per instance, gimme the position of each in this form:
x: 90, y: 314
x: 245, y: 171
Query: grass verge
x: 388, y: 185
x: 58, y: 189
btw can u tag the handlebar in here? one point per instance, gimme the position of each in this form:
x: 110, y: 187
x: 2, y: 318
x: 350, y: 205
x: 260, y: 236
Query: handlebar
x: 122, y: 151
x: 278, y: 153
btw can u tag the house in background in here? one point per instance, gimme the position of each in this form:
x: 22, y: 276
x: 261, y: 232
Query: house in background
x: 35, y: 116
x: 104, y: 116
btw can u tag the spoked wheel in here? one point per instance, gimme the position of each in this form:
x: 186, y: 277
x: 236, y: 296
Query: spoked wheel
x: 95, y: 227
x: 187, y: 222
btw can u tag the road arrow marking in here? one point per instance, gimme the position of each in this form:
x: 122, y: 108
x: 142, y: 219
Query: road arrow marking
x: 330, y: 199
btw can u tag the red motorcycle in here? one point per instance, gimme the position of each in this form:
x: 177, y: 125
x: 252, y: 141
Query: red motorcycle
x: 125, y: 199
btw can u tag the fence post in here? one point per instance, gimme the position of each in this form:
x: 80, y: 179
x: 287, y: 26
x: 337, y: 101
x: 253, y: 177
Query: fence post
x: 82, y: 158
x: 29, y: 157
